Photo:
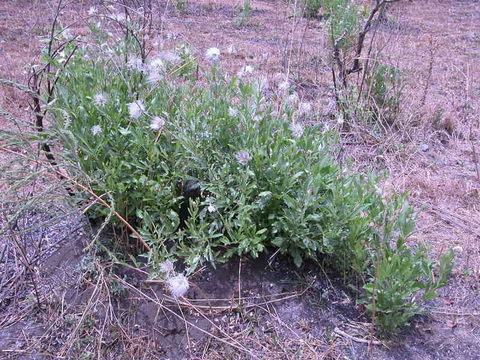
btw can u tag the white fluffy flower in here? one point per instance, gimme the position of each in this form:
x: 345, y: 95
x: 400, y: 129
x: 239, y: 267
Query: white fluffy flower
x: 120, y: 17
x: 96, y: 129
x: 243, y: 157
x: 167, y: 267
x: 297, y: 130
x: 100, y: 99
x: 248, y: 69
x: 331, y: 107
x: 135, y: 63
x: 157, y: 123
x: 231, y: 50
x: 261, y: 83
x: 304, y: 108
x: 292, y: 99
x: 158, y: 42
x: 156, y: 70
x: 178, y: 285
x: 154, y: 76
x: 157, y: 63
x: 66, y: 118
x: 92, y: 10
x: 169, y: 57
x: 136, y: 109
x: 211, y: 208
x: 245, y: 71
x: 213, y: 54
x: 67, y: 33
x: 232, y: 112
x: 284, y: 86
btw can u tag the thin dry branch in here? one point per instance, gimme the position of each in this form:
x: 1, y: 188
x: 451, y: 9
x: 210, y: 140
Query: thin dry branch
x: 356, y: 339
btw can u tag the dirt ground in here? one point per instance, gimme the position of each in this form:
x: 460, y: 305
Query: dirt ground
x: 266, y: 308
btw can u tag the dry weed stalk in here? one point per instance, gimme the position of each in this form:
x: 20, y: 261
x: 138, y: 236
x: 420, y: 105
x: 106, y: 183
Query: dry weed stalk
x: 341, y: 69
x: 433, y: 49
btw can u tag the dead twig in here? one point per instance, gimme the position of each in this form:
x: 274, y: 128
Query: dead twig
x: 356, y: 339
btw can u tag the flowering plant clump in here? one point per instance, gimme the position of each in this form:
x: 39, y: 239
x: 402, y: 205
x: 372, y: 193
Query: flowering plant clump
x: 208, y: 169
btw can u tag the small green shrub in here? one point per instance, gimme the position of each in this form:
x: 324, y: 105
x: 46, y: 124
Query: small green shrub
x: 343, y: 22
x: 383, y: 93
x: 181, y: 6
x: 312, y: 7
x: 404, y: 280
x: 243, y: 12
x: 207, y: 169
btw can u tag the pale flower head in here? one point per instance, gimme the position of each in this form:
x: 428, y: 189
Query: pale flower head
x: 119, y: 17
x: 136, y: 109
x: 213, y: 54
x: 211, y: 208
x: 156, y: 70
x: 331, y: 107
x: 245, y: 71
x: 261, y: 83
x: 232, y: 112
x: 67, y: 119
x: 157, y: 63
x: 167, y: 267
x: 96, y: 129
x: 170, y: 57
x: 157, y: 123
x: 292, y: 99
x: 154, y: 76
x: 243, y: 157
x: 66, y: 33
x: 92, y: 10
x: 158, y: 42
x: 231, y: 50
x: 135, y: 63
x: 178, y: 285
x: 304, y: 108
x: 284, y: 85
x: 297, y: 130
x: 100, y: 99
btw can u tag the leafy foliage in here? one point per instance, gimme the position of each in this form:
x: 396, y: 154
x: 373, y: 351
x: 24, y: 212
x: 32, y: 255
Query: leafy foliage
x: 343, y: 22
x: 312, y: 7
x: 181, y: 5
x: 243, y: 12
x: 384, y: 85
